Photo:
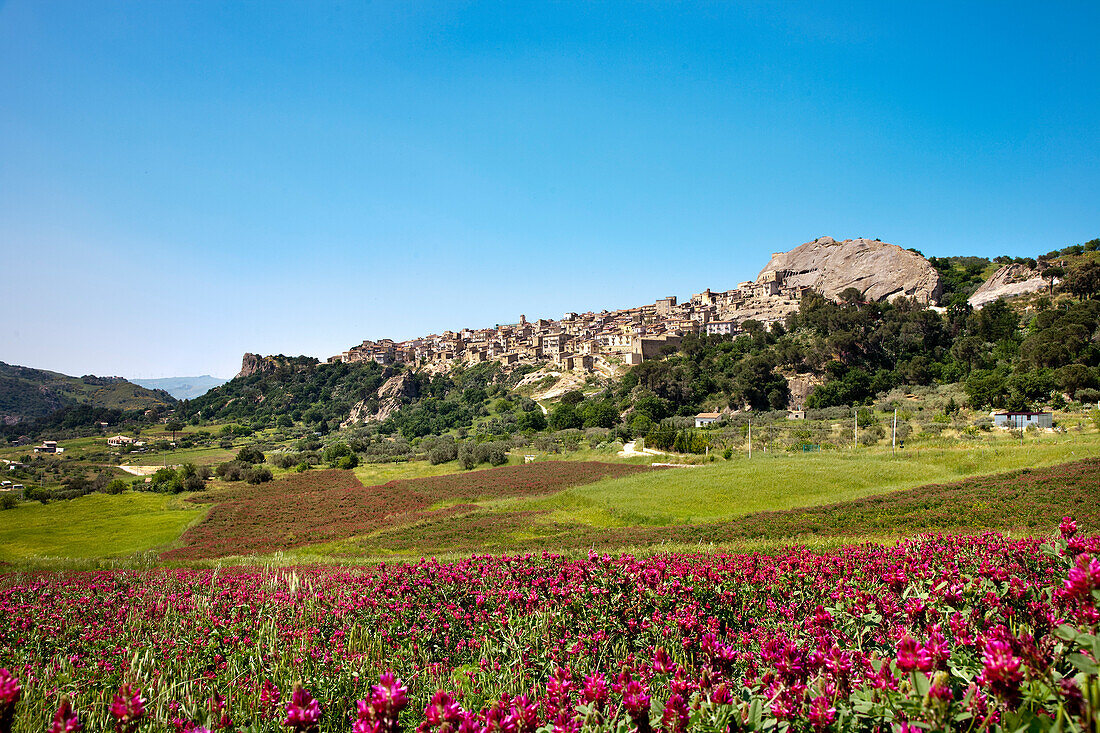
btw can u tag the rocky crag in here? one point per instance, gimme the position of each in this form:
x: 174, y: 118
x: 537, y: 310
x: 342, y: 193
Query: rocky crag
x: 1009, y: 281
x: 257, y: 364
x: 394, y: 392
x: 880, y: 271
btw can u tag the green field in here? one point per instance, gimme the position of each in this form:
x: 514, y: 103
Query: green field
x: 197, y: 456
x: 93, y: 526
x: 101, y: 526
x: 729, y: 489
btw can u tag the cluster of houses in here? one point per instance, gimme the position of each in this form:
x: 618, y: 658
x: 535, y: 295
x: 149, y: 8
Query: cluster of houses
x: 581, y: 341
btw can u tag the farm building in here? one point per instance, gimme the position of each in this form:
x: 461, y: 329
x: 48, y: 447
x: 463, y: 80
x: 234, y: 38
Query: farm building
x: 1020, y: 420
x: 706, y: 418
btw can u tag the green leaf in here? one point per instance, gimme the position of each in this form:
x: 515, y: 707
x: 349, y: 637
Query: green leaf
x: 921, y: 683
x: 755, y: 711
x: 1083, y: 663
x: 1066, y: 632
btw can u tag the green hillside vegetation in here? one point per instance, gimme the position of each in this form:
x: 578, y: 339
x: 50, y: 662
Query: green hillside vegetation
x: 705, y: 503
x: 297, y: 390
x: 93, y: 526
x: 27, y: 393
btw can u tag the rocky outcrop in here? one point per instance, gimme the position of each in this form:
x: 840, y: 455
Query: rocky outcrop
x: 256, y: 364
x: 394, y: 392
x: 800, y: 386
x: 1007, y: 281
x: 880, y: 271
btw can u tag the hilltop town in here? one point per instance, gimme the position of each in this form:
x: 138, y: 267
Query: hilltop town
x: 606, y: 341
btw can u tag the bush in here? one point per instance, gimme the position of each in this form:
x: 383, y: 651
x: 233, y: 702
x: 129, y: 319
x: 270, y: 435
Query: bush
x: 442, y: 454
x: 116, y: 486
x: 871, y: 435
x: 9, y: 501
x: 335, y: 452
x: 348, y: 462
x: 258, y: 475
x: 250, y: 454
x: 466, y: 456
x: 232, y: 470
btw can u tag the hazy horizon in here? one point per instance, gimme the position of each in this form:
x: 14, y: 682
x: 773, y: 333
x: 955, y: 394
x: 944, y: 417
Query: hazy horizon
x: 185, y: 182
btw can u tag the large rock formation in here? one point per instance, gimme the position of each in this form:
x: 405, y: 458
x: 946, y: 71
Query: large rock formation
x: 880, y: 271
x: 1007, y: 281
x: 394, y: 392
x: 256, y: 364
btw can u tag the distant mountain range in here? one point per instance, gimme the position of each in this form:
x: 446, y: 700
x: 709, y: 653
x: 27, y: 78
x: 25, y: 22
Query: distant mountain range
x: 183, y: 388
x: 27, y: 393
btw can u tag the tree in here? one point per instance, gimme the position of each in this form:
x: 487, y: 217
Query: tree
x: 1084, y: 280
x: 564, y: 416
x: 1051, y: 274
x: 532, y: 420
x: 335, y: 453
x: 986, y: 388
x: 174, y: 426
x: 600, y: 414
x: 573, y: 397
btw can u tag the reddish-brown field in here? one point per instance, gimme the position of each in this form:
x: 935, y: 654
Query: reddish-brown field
x: 326, y: 505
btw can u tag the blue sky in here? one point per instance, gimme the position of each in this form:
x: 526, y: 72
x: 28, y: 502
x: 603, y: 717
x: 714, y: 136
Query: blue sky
x: 183, y: 182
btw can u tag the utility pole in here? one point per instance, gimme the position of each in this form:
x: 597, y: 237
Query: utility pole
x: 894, y: 439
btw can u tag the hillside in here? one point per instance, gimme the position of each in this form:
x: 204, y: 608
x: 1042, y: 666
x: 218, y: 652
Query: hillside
x: 28, y: 394
x: 878, y: 334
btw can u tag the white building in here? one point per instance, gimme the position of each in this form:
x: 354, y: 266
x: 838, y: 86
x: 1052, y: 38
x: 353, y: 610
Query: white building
x: 1021, y: 420
x: 706, y: 418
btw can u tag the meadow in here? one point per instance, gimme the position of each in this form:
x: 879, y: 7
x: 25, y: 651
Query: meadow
x: 384, y: 510
x: 93, y: 526
x: 936, y: 633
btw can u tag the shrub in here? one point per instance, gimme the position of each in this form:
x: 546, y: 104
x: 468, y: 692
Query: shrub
x: 9, y: 501
x: 232, y: 470
x: 117, y: 486
x: 284, y: 460
x: 258, y: 474
x: 348, y: 462
x: 250, y: 454
x: 466, y: 456
x: 442, y: 454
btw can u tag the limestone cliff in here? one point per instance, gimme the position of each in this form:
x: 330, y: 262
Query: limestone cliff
x: 1007, y: 281
x: 880, y: 271
x: 394, y: 392
x: 257, y: 364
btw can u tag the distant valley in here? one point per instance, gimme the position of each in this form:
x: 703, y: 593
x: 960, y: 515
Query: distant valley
x: 183, y: 388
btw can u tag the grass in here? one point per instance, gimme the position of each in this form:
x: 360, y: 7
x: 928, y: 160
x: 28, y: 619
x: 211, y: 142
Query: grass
x: 629, y: 511
x: 97, y: 525
x: 1027, y: 501
x: 727, y: 490
x: 372, y: 474
x: 197, y: 456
